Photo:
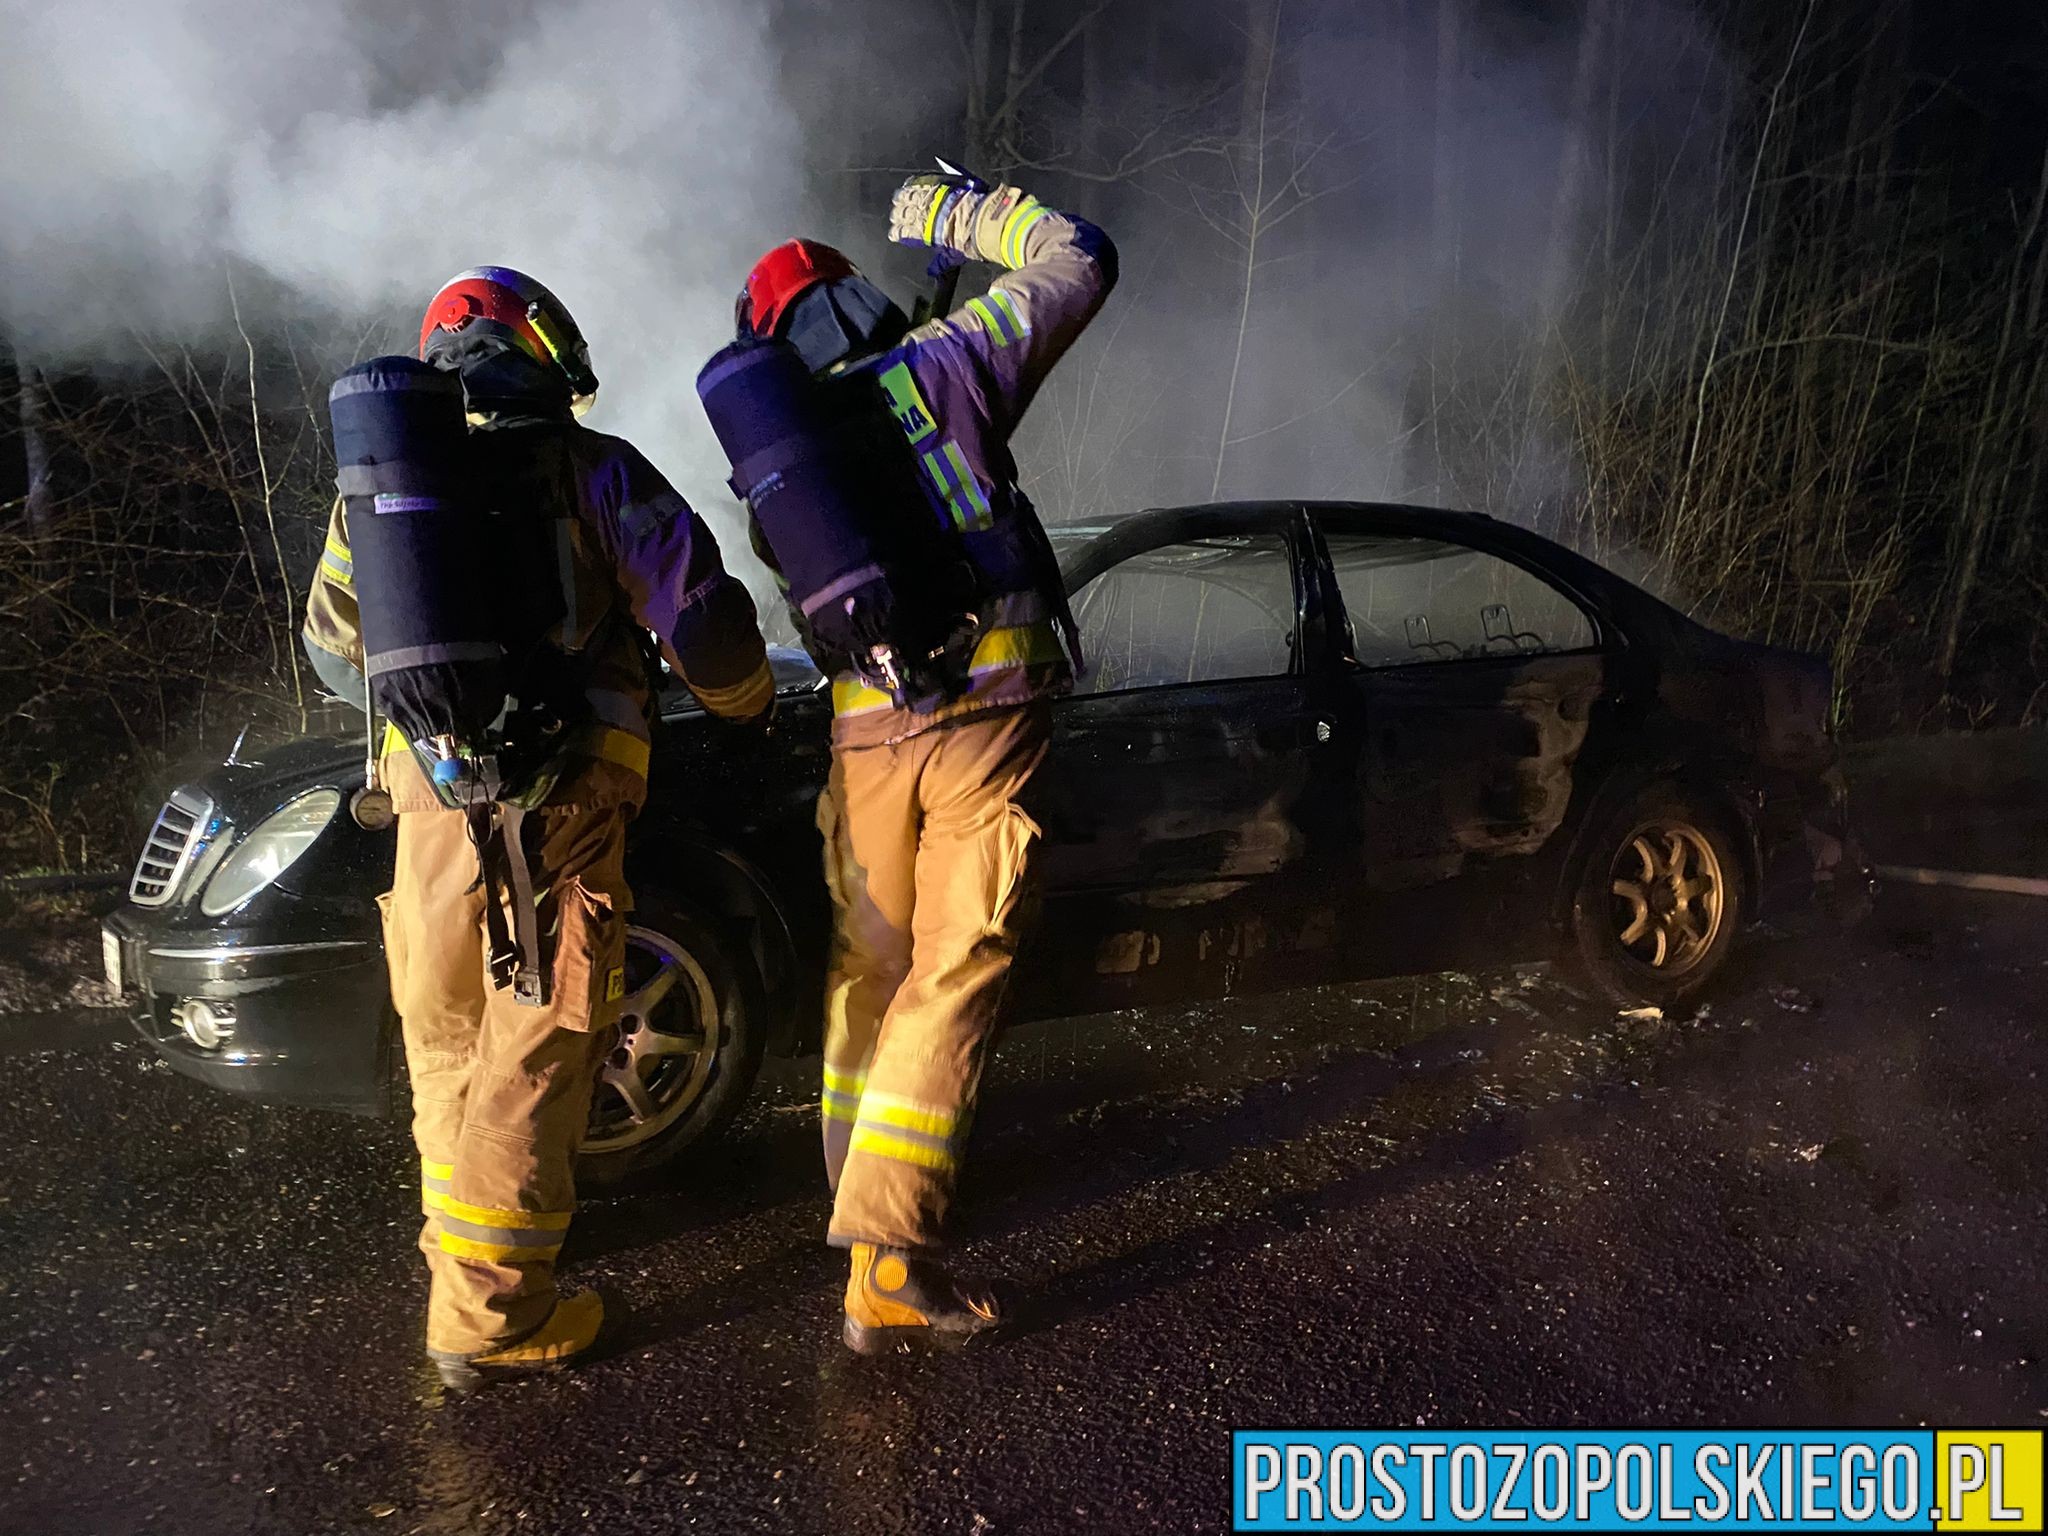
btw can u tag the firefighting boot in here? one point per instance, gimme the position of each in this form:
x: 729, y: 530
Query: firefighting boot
x: 560, y: 1341
x: 892, y: 1298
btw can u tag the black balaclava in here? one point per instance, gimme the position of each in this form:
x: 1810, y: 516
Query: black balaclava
x: 501, y: 380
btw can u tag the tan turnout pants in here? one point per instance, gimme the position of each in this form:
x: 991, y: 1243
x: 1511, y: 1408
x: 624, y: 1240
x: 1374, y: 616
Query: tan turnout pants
x: 501, y: 1092
x: 927, y: 857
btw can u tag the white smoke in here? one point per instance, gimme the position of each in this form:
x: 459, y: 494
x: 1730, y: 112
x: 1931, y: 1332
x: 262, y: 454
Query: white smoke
x: 346, y: 157
x: 359, y: 152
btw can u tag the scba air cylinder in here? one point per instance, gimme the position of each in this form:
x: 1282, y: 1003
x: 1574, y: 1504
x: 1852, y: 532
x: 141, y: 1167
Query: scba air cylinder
x: 419, y: 532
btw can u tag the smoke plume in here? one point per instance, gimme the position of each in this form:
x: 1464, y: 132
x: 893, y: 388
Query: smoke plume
x: 1346, y: 231
x: 341, y: 160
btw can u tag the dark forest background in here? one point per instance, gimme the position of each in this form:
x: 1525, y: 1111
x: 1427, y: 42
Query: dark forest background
x: 1745, y: 298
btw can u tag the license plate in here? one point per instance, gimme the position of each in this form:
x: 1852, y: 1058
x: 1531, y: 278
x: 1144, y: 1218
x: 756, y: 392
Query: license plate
x: 110, y: 953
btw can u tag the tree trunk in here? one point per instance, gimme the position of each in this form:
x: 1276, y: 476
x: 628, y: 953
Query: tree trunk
x: 1262, y: 43
x: 1013, y: 87
x: 39, y: 501
x: 1567, y: 204
x: 1092, y: 136
x: 980, y: 52
x: 1443, y: 221
x: 1260, y: 22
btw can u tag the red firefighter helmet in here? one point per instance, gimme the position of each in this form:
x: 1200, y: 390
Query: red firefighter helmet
x: 521, y: 308
x: 782, y: 277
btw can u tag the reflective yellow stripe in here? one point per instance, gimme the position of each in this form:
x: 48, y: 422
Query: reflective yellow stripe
x: 846, y: 1082
x: 494, y: 1253
x: 1008, y: 306
x: 850, y: 696
x: 611, y: 746
x: 969, y: 486
x: 986, y: 314
x: 747, y: 697
x: 621, y: 747
x: 836, y: 1106
x: 934, y: 467
x: 341, y: 576
x: 881, y: 1144
x: 490, y: 1216
x: 904, y: 1114
x: 430, y: 1170
x: 1027, y: 213
x: 931, y: 215
x: 1015, y: 645
x: 1019, y: 645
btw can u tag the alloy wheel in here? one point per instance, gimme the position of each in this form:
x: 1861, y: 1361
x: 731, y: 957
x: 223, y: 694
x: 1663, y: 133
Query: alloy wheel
x: 1669, y: 896
x: 667, y: 1046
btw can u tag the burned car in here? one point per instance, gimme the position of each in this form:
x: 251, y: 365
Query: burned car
x: 1315, y: 742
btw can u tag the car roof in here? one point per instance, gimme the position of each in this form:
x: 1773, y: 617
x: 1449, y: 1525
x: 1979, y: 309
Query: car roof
x: 1093, y: 548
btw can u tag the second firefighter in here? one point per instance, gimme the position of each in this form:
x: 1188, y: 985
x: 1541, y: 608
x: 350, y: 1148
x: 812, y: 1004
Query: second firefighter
x: 928, y: 833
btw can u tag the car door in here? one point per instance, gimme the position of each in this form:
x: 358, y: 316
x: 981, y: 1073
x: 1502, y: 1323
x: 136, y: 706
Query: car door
x: 1473, y: 682
x: 1173, y: 798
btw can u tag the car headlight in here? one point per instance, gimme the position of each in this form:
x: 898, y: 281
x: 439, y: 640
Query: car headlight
x: 271, y: 848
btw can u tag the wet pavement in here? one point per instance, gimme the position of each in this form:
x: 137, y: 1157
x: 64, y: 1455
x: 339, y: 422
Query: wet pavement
x: 1460, y: 1200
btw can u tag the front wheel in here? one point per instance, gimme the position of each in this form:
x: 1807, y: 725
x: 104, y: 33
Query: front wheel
x: 689, y: 1044
x: 1658, y: 900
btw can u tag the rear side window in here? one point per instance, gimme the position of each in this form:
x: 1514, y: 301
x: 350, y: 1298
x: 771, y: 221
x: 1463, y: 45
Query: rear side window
x: 1414, y: 601
x: 1198, y: 612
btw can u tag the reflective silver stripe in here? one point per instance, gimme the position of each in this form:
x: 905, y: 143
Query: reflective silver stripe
x: 839, y: 588
x: 428, y: 655
x: 511, y: 1237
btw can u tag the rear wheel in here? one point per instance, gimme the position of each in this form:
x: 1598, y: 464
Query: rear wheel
x: 1658, y: 901
x: 689, y: 1043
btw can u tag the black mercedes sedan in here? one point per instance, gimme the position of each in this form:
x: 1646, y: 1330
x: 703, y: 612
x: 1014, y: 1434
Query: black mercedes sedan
x: 1315, y: 742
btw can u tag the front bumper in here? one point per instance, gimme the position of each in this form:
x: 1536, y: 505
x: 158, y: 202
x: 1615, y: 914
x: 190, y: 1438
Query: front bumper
x: 312, y: 1021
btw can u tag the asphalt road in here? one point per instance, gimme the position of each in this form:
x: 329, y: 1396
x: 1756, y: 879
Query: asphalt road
x: 1454, y: 1201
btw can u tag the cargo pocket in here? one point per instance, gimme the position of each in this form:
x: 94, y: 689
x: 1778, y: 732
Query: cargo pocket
x: 834, y: 849
x: 394, y: 948
x: 589, y: 975
x: 1016, y: 891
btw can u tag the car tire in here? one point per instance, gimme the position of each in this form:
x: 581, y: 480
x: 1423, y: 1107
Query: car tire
x: 1658, y: 898
x: 687, y: 1096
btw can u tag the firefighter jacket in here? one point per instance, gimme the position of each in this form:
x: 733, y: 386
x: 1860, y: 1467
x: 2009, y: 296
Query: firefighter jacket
x: 632, y: 558
x: 959, y: 385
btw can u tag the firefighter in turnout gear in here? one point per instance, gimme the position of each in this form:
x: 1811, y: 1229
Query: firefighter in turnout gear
x: 501, y: 1091
x: 927, y: 833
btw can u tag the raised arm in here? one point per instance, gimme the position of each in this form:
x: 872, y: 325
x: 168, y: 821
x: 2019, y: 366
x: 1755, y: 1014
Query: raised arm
x: 1058, y: 269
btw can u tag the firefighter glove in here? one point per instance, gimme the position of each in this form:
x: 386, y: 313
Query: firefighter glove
x: 935, y: 210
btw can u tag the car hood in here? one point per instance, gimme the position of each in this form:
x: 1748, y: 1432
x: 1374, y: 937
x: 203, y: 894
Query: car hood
x: 256, y: 784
